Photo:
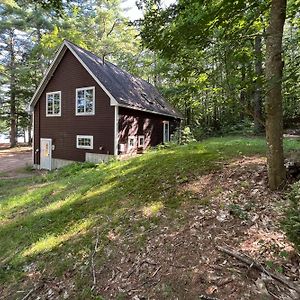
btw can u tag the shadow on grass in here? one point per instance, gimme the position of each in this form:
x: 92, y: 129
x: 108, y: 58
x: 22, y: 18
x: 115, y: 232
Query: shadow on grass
x: 54, y: 212
x: 67, y: 204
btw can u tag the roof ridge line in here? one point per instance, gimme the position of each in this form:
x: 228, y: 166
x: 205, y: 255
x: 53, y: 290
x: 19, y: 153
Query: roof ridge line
x: 84, y: 49
x: 137, y: 77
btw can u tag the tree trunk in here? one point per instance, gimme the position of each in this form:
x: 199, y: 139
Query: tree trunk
x: 274, y: 114
x: 243, y: 99
x: 257, y: 105
x: 13, y: 115
x: 13, y: 122
x: 29, y: 128
x: 188, y: 113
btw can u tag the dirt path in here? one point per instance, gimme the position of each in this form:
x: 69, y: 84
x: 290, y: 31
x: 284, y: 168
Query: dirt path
x: 14, y: 161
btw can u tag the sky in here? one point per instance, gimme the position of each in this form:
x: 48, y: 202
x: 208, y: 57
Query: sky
x: 133, y: 13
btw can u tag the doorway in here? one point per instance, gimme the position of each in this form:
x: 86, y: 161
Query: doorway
x: 46, y: 154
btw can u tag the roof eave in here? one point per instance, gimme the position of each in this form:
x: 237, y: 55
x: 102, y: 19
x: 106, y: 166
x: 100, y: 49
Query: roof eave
x: 150, y: 111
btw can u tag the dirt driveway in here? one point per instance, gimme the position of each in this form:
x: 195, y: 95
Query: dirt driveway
x: 14, y: 161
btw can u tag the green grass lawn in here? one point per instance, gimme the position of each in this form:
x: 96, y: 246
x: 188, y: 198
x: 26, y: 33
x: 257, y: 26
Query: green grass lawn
x: 52, y: 219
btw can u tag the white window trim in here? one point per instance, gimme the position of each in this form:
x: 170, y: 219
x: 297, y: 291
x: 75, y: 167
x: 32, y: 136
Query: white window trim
x: 139, y: 141
x: 134, y: 139
x: 85, y: 113
x: 84, y: 137
x: 53, y: 115
x: 164, y: 136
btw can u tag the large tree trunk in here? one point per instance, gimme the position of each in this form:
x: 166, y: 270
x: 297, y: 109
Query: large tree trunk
x: 13, y: 114
x: 274, y: 115
x: 38, y: 41
x: 13, y: 121
x: 257, y: 105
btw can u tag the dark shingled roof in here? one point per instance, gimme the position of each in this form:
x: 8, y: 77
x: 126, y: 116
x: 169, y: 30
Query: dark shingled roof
x: 128, y: 90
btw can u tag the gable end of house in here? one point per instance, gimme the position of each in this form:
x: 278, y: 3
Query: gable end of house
x: 50, y: 72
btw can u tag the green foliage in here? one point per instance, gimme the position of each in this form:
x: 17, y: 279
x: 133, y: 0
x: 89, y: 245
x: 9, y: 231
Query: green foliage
x: 10, y: 3
x: 173, y: 30
x: 71, y: 169
x: 291, y: 71
x: 291, y: 222
x: 183, y: 136
x: 102, y: 30
x: 19, y: 71
x: 244, y: 127
x: 186, y: 136
x: 238, y: 211
x: 51, y: 5
x: 209, y: 48
x: 3, y: 126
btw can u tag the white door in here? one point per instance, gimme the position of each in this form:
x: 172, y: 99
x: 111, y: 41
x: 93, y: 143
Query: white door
x: 166, y: 132
x: 46, y: 154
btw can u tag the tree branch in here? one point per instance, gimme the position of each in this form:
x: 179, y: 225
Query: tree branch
x: 252, y: 263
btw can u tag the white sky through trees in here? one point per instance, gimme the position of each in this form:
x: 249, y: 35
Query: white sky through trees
x: 133, y: 13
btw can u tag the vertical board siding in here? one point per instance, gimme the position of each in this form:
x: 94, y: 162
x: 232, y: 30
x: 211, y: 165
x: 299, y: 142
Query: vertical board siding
x: 68, y: 76
x: 135, y: 123
x: 36, y: 134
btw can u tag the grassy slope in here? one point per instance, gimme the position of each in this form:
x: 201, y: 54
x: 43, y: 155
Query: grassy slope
x: 51, y: 219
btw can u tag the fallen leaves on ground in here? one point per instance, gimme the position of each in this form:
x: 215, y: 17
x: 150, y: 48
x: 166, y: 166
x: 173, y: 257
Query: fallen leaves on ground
x: 178, y: 259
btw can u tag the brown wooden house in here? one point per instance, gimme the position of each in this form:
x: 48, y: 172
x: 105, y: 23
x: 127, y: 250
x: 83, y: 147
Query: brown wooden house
x: 86, y: 109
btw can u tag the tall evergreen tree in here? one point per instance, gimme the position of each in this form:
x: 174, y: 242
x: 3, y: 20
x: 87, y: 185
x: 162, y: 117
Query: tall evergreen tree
x: 11, y: 46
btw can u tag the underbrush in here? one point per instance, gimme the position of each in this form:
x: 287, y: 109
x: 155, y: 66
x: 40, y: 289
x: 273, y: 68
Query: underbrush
x: 242, y: 128
x: 291, y: 222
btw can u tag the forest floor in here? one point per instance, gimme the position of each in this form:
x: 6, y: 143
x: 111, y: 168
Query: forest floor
x: 150, y: 228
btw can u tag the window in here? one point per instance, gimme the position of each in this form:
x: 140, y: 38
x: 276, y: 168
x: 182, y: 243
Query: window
x: 84, y: 141
x: 53, y: 104
x: 141, y: 141
x: 131, y: 142
x: 166, y: 132
x: 85, y: 101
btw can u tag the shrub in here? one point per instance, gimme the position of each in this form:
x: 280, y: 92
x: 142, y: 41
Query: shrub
x: 244, y: 127
x: 291, y: 222
x: 186, y: 136
x: 182, y: 136
x: 202, y: 131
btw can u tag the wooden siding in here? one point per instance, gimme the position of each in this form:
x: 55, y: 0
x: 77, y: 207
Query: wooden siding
x: 68, y: 76
x: 135, y: 123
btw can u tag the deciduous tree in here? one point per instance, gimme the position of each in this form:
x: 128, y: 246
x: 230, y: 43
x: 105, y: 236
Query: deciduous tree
x: 274, y: 112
